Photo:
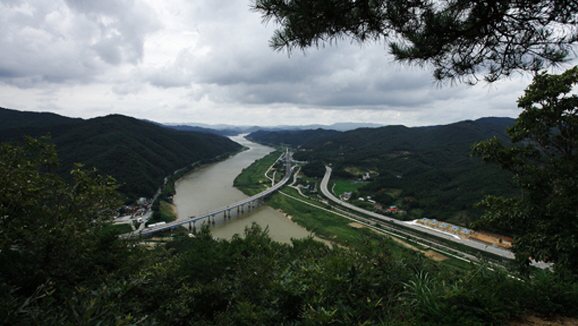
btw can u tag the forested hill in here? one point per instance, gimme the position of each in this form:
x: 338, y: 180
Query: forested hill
x: 390, y: 137
x: 293, y: 138
x: 425, y: 170
x: 136, y: 153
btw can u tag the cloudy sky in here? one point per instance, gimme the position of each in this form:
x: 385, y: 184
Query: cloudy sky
x: 208, y: 61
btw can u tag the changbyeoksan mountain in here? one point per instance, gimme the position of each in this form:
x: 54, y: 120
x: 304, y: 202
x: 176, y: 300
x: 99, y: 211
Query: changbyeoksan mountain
x: 136, y: 153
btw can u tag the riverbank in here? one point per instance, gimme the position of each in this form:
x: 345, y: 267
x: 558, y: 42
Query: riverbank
x: 168, y: 209
x: 211, y: 187
x: 255, y: 178
x: 311, y: 215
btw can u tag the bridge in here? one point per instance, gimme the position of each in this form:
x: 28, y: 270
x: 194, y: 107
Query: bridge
x: 225, y: 210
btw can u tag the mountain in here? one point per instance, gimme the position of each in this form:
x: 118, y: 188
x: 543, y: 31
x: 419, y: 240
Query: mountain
x: 138, y: 154
x: 222, y: 132
x: 293, y: 138
x: 369, y: 142
x: 427, y: 170
x: 235, y: 130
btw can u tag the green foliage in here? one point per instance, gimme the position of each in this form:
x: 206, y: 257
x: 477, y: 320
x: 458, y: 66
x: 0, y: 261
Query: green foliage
x: 342, y: 186
x: 55, y: 242
x: 138, y: 154
x: 252, y: 280
x: 164, y: 213
x: 252, y: 179
x: 459, y: 38
x: 95, y: 278
x: 118, y: 228
x: 315, y: 169
x: 431, y: 167
x: 290, y: 138
x: 168, y: 211
x: 544, y: 163
x: 48, y: 226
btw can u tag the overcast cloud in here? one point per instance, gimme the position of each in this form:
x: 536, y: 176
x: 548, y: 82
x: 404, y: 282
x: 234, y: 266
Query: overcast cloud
x: 208, y: 61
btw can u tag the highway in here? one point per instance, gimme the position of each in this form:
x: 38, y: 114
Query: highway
x: 412, y: 225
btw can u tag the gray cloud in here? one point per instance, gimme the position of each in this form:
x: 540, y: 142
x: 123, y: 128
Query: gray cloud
x: 167, y: 60
x: 179, y: 73
x: 55, y: 42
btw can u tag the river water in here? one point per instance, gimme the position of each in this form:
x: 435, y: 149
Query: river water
x: 211, y: 187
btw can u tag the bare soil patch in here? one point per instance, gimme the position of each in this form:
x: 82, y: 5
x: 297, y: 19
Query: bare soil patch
x: 491, y: 240
x: 436, y: 256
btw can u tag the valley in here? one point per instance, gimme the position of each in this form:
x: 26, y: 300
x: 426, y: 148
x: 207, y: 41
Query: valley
x: 360, y: 266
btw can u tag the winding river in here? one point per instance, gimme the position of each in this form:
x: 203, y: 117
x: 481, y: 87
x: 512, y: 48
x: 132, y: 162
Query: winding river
x: 212, y: 186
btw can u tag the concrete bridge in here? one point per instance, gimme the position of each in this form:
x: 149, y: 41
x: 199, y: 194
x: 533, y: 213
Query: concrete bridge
x: 239, y: 207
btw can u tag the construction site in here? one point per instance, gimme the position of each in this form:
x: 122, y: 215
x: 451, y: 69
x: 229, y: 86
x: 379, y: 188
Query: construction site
x: 488, y: 238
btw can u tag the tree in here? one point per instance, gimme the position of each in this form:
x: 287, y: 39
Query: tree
x: 460, y: 38
x: 51, y: 230
x: 544, y: 159
x: 315, y: 169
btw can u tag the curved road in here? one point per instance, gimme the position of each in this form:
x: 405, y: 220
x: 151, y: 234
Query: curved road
x: 411, y: 225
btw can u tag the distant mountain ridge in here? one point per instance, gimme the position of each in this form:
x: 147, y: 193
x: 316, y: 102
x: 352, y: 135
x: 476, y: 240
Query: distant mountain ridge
x: 430, y: 167
x: 136, y: 153
x: 235, y: 130
x: 293, y: 138
x: 463, y: 131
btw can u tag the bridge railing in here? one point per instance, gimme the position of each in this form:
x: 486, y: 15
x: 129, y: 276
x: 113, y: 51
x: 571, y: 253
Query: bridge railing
x: 222, y: 209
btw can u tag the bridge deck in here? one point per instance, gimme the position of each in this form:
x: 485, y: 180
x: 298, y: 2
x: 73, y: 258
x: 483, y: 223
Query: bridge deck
x: 228, y: 208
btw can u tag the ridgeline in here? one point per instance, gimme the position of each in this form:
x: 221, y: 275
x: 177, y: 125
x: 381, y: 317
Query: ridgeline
x: 426, y: 170
x: 136, y: 153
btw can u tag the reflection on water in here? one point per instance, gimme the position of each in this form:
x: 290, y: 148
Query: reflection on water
x: 212, y: 186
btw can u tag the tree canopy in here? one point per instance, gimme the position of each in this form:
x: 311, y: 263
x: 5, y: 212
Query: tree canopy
x: 59, y: 266
x: 544, y: 161
x: 49, y: 230
x: 460, y: 38
x: 138, y: 154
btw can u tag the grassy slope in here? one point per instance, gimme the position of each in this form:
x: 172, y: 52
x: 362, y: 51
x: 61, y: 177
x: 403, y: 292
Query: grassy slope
x: 252, y: 179
x: 323, y: 223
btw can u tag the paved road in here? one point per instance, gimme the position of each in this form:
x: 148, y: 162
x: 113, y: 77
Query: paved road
x: 412, y: 225
x: 171, y: 225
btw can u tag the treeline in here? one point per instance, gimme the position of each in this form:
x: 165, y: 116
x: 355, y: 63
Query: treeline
x: 430, y: 165
x: 61, y: 265
x: 136, y: 153
x: 294, y: 138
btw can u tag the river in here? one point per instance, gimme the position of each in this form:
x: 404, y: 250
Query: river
x: 212, y: 186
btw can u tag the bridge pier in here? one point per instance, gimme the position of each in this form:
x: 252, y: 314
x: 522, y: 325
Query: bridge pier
x: 254, y: 203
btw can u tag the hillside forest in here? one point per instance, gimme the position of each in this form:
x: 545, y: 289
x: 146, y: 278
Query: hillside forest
x: 137, y: 154
x: 61, y: 265
x: 424, y: 171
